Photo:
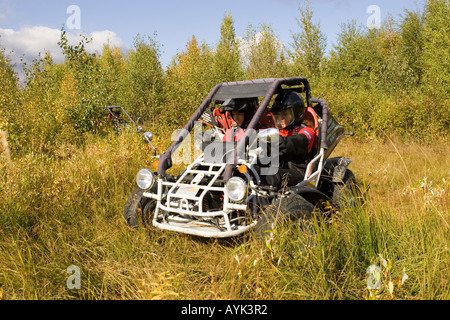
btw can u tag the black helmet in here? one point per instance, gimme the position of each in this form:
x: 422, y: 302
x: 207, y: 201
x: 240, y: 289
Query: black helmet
x: 245, y: 105
x: 242, y: 105
x: 290, y: 100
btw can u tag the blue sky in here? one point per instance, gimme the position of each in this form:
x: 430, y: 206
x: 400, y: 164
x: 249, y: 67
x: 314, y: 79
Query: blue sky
x: 30, y: 26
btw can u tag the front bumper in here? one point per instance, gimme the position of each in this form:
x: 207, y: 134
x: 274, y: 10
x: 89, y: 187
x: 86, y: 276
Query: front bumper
x: 180, y: 208
x: 197, y: 229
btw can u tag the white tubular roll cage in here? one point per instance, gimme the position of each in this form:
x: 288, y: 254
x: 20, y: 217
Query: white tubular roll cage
x: 185, y: 212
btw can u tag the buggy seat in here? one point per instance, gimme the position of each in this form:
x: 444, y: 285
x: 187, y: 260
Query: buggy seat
x: 310, y: 119
x: 223, y: 119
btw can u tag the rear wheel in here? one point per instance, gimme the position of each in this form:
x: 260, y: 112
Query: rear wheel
x: 139, y: 209
x: 346, y: 192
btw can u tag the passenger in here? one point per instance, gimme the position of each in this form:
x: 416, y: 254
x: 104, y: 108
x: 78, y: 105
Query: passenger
x: 241, y: 111
x: 296, y: 140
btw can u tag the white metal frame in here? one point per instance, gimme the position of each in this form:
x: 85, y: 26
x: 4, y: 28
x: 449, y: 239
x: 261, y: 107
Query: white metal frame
x: 175, y: 212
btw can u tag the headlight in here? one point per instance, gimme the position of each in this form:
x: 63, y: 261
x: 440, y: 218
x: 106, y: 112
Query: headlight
x: 145, y: 179
x: 236, y: 189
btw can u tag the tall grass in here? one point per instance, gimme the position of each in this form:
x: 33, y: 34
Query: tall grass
x: 67, y: 210
x: 63, y: 192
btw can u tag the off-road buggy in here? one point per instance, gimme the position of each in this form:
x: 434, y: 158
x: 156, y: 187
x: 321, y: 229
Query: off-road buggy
x: 119, y: 118
x: 220, y: 194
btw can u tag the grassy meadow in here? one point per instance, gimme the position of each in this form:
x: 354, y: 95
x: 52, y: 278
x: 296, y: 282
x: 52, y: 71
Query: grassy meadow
x: 67, y: 210
x: 67, y: 176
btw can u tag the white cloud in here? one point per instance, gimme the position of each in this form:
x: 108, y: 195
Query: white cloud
x: 246, y: 45
x: 29, y: 41
x: 100, y: 38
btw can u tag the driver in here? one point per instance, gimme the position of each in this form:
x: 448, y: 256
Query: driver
x: 242, y: 111
x: 296, y: 139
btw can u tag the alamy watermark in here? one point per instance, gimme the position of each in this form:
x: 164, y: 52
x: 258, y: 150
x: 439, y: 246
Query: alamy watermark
x: 73, y: 22
x: 374, y: 277
x: 374, y: 20
x: 214, y: 150
x: 74, y: 281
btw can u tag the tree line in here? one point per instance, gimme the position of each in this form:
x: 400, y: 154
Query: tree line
x: 395, y: 79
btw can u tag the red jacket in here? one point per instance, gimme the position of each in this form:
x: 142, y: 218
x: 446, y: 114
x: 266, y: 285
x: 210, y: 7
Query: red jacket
x: 237, y: 132
x: 296, y: 130
x: 299, y: 140
x: 296, y: 145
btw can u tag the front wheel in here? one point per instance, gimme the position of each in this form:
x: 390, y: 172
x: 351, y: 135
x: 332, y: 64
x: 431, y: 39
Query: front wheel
x: 139, y: 209
x: 291, y: 209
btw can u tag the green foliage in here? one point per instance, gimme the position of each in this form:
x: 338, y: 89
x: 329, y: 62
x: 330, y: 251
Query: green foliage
x: 60, y: 102
x: 265, y: 53
x: 402, y: 67
x: 189, y: 79
x: 395, y: 79
x: 9, y: 93
x: 142, y: 83
x: 42, y: 117
x: 435, y: 58
x: 113, y: 67
x: 227, y: 64
x: 309, y: 46
x: 355, y: 59
x: 84, y: 68
x: 411, y: 45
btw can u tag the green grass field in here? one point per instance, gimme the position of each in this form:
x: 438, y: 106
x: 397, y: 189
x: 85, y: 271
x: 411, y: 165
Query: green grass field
x: 66, y: 210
